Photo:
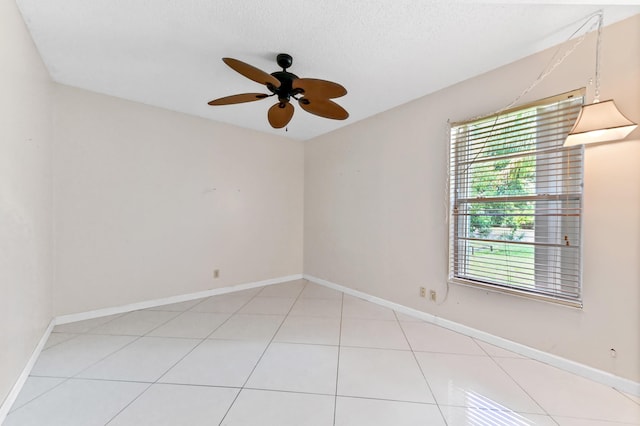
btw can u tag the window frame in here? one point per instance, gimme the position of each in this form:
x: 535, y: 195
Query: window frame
x: 454, y: 251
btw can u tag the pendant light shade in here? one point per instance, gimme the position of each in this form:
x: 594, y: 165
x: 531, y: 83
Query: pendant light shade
x: 599, y: 122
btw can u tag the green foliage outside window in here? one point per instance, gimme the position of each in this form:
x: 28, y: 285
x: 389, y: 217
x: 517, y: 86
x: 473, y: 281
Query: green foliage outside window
x: 504, y: 177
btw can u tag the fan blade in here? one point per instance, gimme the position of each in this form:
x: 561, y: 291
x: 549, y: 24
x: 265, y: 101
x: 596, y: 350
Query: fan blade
x: 238, y: 99
x: 314, y: 88
x: 324, y: 108
x: 252, y: 72
x: 280, y: 114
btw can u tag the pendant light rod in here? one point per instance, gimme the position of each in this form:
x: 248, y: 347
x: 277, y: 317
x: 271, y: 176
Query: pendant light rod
x: 600, y: 14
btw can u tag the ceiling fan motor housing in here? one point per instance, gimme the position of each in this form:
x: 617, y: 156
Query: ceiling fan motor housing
x: 286, y: 90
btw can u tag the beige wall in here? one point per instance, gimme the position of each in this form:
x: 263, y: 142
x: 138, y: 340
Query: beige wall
x: 148, y: 202
x: 375, y: 209
x: 25, y: 196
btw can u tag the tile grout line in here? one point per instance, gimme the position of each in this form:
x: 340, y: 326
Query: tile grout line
x: 627, y: 396
x: 64, y: 380
x: 516, y: 382
x: 335, y: 400
x: 184, y: 356
x: 64, y: 341
x: 150, y: 383
x: 86, y: 332
x: 424, y: 376
x: 67, y: 378
x: 263, y: 352
x: 137, y: 337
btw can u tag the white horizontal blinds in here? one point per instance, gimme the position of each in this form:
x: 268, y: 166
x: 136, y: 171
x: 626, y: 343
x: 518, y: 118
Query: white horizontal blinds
x: 516, y: 196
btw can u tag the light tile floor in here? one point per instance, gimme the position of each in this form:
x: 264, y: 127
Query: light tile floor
x: 296, y: 354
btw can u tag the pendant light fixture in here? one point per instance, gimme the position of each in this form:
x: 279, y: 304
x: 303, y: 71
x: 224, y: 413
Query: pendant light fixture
x: 599, y: 121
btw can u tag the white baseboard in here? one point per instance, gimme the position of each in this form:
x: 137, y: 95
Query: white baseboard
x: 619, y: 383
x: 17, y: 387
x: 64, y: 319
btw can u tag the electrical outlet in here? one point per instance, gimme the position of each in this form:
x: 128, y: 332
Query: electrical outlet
x: 216, y: 273
x: 432, y: 295
x: 423, y: 292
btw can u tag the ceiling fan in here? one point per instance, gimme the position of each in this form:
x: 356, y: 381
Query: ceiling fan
x: 312, y: 94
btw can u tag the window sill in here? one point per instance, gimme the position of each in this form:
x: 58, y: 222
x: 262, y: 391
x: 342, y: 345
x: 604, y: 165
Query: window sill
x: 577, y: 304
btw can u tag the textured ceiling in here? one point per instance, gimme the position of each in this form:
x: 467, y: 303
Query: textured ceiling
x: 167, y: 53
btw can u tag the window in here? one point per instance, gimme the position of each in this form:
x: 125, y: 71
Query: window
x: 516, y: 200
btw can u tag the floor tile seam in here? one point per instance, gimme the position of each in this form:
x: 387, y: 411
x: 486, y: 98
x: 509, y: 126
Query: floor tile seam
x: 87, y: 331
x: 230, y: 316
x: 313, y: 316
x: 91, y: 332
x: 115, y: 317
x: 137, y: 338
x: 275, y: 297
x: 198, y: 344
x: 518, y: 384
x: 254, y: 367
x: 288, y: 391
x: 191, y: 307
x: 64, y: 380
x: 235, y: 398
x: 371, y: 318
x: 637, y: 402
x: 90, y: 378
x: 148, y: 336
x: 335, y: 399
x: 174, y: 364
x: 261, y: 356
x: 163, y: 323
x: 368, y: 318
x: 193, y: 312
x: 118, y: 334
x: 494, y: 357
x: 220, y: 312
x: 200, y: 385
x: 99, y: 379
x: 159, y: 336
x: 107, y: 355
x: 64, y: 341
x: 319, y: 298
x: 305, y: 344
x: 166, y: 310
x: 129, y: 403
x: 509, y: 357
x: 505, y: 410
x: 352, y: 346
x: 615, y: 422
x: 372, y: 398
x: 424, y: 376
x: 67, y: 379
x: 260, y: 314
x: 378, y: 398
x: 375, y: 348
x: 269, y: 343
x: 229, y: 339
x: 453, y: 353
